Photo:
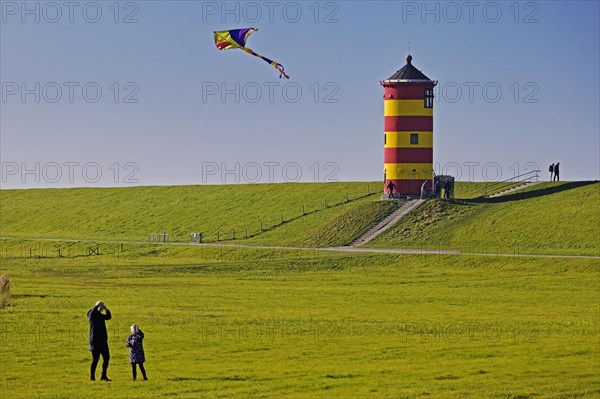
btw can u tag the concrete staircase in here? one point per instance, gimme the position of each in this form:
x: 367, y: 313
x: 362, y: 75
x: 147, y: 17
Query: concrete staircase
x: 387, y: 222
x: 511, y: 190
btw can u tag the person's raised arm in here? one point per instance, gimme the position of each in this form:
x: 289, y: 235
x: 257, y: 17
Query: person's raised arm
x: 92, y: 311
x: 107, y: 316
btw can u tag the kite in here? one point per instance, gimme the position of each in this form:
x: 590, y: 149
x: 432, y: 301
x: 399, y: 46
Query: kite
x: 236, y: 38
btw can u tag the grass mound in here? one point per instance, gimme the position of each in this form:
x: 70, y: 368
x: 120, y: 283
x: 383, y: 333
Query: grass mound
x: 133, y: 213
x: 348, y: 226
x: 547, y: 218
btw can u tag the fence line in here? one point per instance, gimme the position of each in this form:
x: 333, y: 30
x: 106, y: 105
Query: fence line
x: 263, y: 227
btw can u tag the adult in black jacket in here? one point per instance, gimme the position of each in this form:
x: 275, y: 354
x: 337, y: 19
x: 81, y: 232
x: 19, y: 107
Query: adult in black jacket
x: 99, y: 339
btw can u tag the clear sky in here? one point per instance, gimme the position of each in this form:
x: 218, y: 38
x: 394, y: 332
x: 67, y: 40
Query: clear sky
x: 135, y: 93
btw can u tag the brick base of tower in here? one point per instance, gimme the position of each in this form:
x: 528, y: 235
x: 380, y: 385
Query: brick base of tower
x: 408, y: 187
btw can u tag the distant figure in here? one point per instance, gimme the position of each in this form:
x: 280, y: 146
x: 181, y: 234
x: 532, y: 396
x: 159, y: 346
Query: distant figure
x: 551, y: 170
x: 437, y: 189
x: 99, y: 339
x: 424, y: 190
x: 136, y: 353
x: 391, y: 186
x: 556, y: 172
x: 447, y: 189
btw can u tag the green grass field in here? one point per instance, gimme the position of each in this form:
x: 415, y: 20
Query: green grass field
x: 228, y: 320
x: 242, y: 322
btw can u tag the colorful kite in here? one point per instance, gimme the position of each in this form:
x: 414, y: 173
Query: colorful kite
x: 236, y: 38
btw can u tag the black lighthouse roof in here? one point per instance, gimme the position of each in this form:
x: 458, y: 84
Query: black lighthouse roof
x: 409, y: 73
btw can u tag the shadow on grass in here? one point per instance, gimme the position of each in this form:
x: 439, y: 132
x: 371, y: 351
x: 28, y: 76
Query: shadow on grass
x: 27, y: 296
x: 517, y: 196
x: 224, y: 378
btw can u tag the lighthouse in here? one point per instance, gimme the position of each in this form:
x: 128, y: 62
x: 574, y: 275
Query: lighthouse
x: 408, y: 127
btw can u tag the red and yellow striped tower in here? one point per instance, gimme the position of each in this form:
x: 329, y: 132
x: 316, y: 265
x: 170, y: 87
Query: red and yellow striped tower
x: 408, y: 143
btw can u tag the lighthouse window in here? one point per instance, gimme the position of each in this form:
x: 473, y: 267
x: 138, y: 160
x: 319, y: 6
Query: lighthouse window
x: 414, y: 138
x: 428, y: 98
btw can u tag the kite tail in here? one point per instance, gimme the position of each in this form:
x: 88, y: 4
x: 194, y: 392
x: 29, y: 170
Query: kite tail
x: 275, y: 65
x: 280, y: 68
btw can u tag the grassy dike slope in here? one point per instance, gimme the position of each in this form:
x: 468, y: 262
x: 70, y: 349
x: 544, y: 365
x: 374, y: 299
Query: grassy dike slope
x: 133, y: 213
x: 548, y: 218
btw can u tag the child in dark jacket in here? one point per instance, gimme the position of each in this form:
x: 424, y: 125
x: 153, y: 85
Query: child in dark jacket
x: 136, y: 353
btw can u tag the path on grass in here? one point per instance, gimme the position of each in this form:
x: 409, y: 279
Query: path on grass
x: 410, y: 205
x: 341, y: 249
x: 387, y: 222
x: 512, y: 190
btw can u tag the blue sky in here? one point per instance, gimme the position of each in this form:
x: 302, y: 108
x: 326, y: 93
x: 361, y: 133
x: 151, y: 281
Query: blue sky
x: 518, y: 88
